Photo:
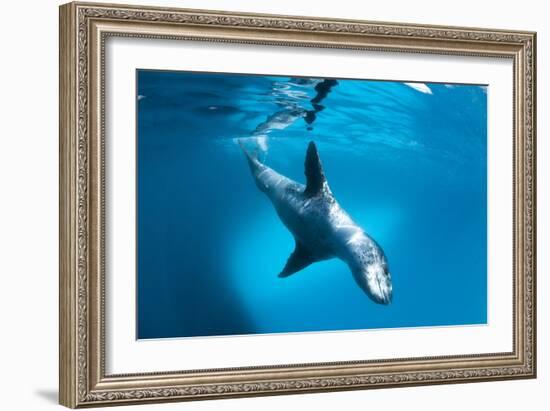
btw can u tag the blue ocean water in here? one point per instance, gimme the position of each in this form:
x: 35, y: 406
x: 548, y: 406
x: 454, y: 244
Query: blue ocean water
x: 407, y: 161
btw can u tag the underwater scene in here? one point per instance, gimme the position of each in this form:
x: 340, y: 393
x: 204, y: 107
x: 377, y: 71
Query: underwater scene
x: 282, y: 204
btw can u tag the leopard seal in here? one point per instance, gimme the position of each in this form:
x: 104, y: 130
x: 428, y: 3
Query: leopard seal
x: 321, y: 228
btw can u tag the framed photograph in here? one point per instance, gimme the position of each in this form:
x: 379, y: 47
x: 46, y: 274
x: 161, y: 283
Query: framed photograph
x: 259, y: 204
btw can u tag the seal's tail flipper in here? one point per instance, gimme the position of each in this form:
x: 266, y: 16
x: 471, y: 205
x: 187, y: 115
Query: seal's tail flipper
x: 253, y: 162
x: 251, y: 157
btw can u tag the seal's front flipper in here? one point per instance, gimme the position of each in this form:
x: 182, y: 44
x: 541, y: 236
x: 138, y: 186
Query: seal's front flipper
x: 315, y: 177
x: 299, y: 259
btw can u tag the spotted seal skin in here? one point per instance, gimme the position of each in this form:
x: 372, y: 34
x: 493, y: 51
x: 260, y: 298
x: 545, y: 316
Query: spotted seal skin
x: 321, y: 228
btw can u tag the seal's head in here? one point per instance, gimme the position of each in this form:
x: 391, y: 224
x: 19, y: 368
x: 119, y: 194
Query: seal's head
x: 370, y: 269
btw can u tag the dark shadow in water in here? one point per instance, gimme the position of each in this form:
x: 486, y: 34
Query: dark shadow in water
x: 185, y: 286
x: 50, y: 395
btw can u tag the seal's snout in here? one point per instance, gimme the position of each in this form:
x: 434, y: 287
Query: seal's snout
x: 378, y: 283
x: 383, y: 294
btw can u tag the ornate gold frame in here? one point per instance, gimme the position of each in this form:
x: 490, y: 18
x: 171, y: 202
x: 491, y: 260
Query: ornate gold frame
x: 83, y: 30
